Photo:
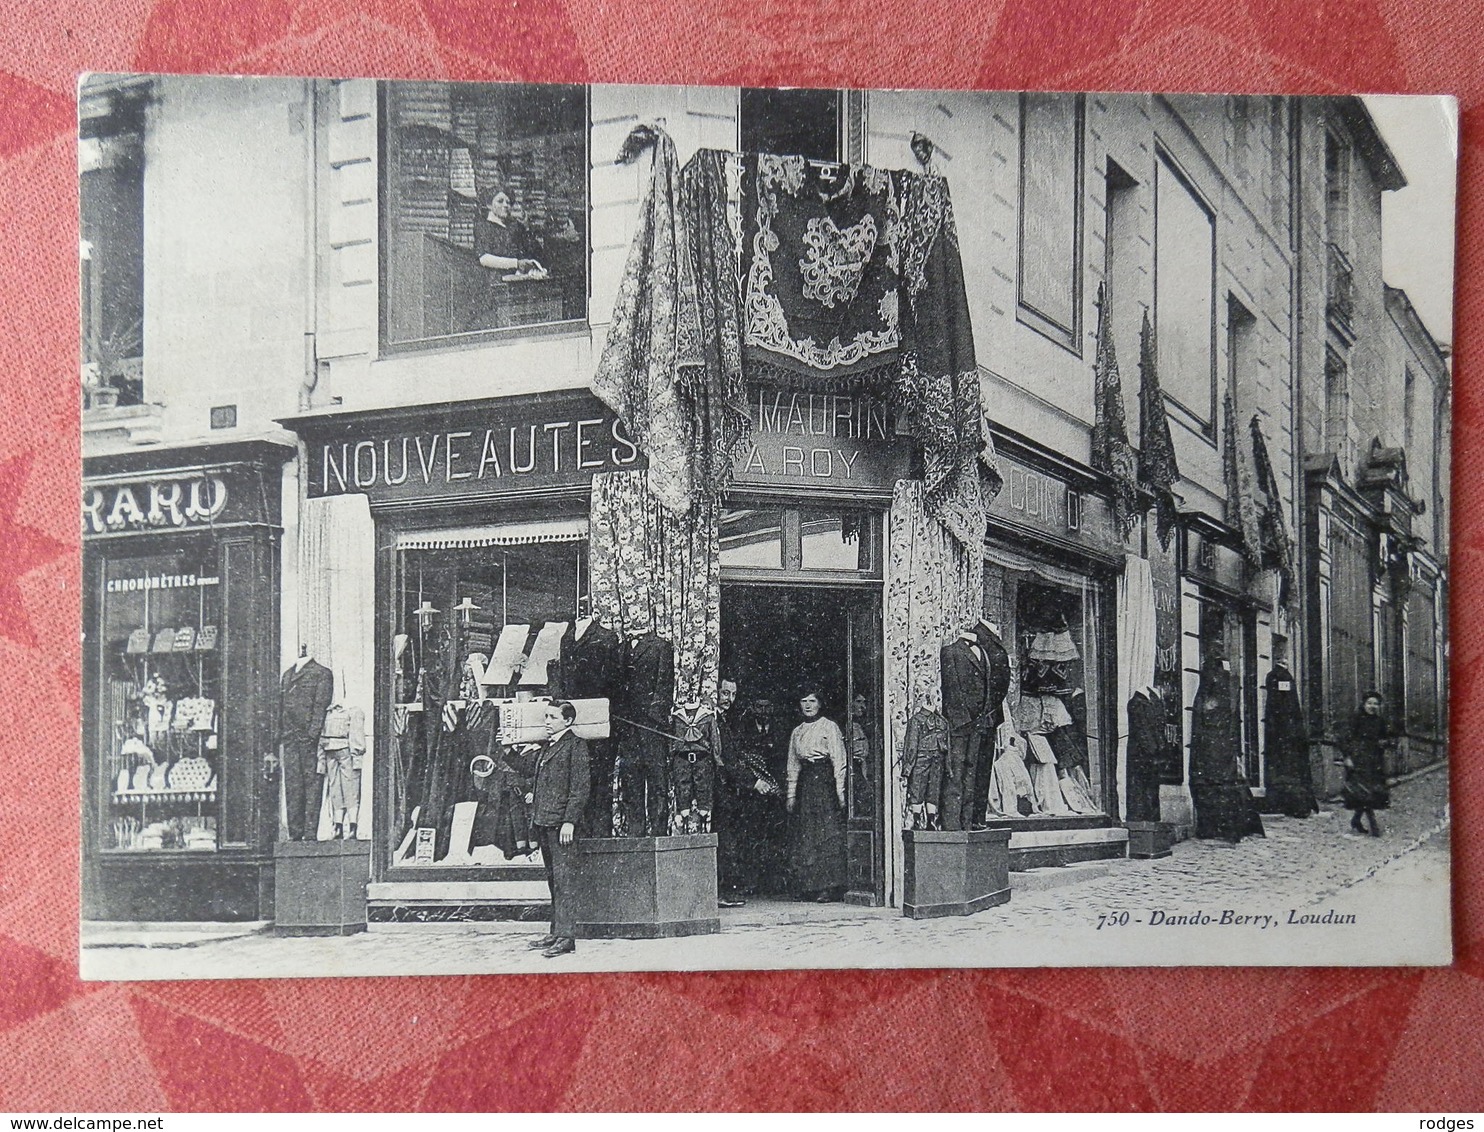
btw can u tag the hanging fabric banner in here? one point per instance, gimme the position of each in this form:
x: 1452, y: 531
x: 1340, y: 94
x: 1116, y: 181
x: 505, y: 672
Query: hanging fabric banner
x: 1136, y: 652
x: 1158, y: 469
x: 1276, y: 548
x: 653, y: 572
x: 889, y: 287
x: 1241, y: 489
x: 934, y: 588
x: 1111, y: 452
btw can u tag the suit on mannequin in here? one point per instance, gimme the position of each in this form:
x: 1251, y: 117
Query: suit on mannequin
x: 997, y: 676
x: 966, y: 706
x: 304, y: 696
x: 643, y: 751
x: 591, y: 668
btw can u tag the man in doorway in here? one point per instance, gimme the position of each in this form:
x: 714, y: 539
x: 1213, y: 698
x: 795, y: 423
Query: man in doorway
x: 560, y: 793
x: 749, y: 792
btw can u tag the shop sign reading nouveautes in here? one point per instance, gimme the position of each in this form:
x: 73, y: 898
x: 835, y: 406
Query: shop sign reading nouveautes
x: 469, y: 450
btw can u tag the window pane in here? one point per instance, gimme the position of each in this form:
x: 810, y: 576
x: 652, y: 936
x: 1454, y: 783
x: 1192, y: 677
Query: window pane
x: 805, y: 122
x: 835, y: 541
x: 457, y: 791
x: 161, y: 706
x: 1185, y: 301
x: 1048, y: 208
x: 752, y: 538
x: 482, y: 178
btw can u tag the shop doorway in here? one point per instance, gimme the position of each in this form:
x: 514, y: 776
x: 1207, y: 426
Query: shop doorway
x: 776, y: 639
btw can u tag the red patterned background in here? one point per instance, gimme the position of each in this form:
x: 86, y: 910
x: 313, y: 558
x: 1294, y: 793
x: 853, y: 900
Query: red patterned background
x: 1116, y: 1039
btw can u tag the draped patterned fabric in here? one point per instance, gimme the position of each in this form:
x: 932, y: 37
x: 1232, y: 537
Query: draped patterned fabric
x: 1158, y: 469
x: 1276, y: 548
x: 934, y: 587
x: 1241, y: 491
x: 655, y: 314
x: 710, y: 363
x: 937, y: 389
x: 1112, y: 454
x: 820, y: 253
x: 673, y: 367
x: 653, y: 571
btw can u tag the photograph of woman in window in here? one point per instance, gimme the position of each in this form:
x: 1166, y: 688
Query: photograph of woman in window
x: 501, y: 241
x: 816, y: 804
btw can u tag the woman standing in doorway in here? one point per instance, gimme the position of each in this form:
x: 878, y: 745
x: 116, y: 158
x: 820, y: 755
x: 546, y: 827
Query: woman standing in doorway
x: 1364, y: 760
x: 816, y: 803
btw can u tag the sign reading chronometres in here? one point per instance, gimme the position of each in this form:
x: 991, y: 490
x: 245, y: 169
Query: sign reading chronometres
x: 482, y: 448
x: 820, y: 441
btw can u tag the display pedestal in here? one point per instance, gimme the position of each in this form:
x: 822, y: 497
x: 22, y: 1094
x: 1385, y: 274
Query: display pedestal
x: 954, y: 873
x: 320, y: 887
x: 644, y: 887
x: 1149, y: 840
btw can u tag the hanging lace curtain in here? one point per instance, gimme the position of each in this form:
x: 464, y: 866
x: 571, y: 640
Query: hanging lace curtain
x: 934, y: 587
x: 1136, y: 651
x: 653, y: 571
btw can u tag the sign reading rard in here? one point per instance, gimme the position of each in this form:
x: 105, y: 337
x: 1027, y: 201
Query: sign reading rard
x: 820, y: 441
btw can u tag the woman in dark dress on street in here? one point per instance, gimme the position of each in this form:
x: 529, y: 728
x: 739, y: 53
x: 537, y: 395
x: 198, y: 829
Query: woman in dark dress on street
x: 1366, y: 789
x: 816, y: 804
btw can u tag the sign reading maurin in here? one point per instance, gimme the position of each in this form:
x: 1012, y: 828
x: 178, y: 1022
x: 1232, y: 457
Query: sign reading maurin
x: 565, y: 528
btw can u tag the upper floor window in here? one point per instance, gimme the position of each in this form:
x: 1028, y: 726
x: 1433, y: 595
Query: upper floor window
x: 805, y: 122
x: 1337, y: 191
x: 1185, y: 294
x: 484, y: 208
x: 111, y: 200
x: 1337, y: 408
x: 1050, y: 276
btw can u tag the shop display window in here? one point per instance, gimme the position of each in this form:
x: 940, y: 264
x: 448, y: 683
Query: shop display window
x: 162, y: 711
x: 476, y: 635
x: 1051, y: 631
x: 485, y: 208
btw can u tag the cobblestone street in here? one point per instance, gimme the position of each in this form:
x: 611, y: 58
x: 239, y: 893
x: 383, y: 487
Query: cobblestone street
x: 1207, y: 903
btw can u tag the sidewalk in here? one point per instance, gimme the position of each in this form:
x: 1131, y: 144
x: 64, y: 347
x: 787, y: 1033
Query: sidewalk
x: 1395, y: 887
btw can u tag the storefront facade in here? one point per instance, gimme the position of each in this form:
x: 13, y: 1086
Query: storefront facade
x: 469, y: 518
x: 1052, y: 557
x: 180, y: 615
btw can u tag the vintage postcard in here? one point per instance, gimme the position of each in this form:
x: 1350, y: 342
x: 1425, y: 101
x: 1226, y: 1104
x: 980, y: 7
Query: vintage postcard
x: 539, y: 528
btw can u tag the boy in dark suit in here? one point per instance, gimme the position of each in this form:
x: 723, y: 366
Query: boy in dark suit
x: 560, y: 793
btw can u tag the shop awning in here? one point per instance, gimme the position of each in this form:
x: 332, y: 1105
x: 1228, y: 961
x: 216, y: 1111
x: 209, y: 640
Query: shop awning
x: 495, y: 534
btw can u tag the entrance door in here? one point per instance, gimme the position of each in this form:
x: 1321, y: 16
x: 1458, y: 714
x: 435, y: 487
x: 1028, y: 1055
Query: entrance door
x: 865, y: 781
x: 778, y: 638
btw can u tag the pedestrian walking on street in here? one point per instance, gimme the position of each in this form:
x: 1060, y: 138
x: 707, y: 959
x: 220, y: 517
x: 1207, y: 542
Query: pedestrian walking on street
x: 563, y: 780
x: 816, y: 803
x: 1366, y: 789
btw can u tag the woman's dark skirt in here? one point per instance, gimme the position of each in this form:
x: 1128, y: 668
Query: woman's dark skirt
x: 1366, y: 789
x: 816, y: 836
